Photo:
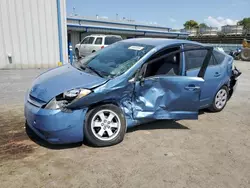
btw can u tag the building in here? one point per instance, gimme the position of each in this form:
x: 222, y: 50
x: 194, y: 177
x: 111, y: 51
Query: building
x: 36, y: 33
x: 80, y: 27
x: 33, y: 33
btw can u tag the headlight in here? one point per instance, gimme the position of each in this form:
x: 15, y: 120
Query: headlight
x: 66, y: 98
x: 76, y: 93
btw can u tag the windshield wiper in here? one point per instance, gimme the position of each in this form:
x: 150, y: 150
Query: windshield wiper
x: 92, y: 69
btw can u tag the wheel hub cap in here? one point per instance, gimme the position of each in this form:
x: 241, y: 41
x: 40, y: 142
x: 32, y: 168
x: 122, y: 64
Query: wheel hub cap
x: 221, y: 98
x: 105, y: 125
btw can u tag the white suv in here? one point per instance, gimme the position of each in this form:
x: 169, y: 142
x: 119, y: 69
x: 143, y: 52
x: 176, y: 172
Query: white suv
x: 93, y: 43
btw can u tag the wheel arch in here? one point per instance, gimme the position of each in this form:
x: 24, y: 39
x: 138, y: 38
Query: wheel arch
x: 110, y: 101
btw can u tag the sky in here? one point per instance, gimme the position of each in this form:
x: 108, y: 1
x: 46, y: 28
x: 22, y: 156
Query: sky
x: 168, y: 13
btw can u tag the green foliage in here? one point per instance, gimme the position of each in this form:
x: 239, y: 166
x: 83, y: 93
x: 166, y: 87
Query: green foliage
x: 191, y: 24
x: 203, y: 25
x: 245, y: 22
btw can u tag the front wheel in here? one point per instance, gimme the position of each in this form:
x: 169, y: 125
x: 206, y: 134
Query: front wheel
x: 105, y: 126
x: 220, y: 100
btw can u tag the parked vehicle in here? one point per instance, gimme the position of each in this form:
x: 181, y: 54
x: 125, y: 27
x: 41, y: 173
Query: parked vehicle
x: 235, y: 53
x: 93, y: 43
x: 245, y: 52
x: 128, y: 83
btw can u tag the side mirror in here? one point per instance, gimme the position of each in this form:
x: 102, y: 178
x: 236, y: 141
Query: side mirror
x: 132, y: 80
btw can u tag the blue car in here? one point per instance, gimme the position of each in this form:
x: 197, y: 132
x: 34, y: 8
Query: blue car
x: 128, y: 83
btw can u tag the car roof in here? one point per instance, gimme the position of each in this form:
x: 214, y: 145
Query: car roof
x: 101, y: 35
x: 160, y: 41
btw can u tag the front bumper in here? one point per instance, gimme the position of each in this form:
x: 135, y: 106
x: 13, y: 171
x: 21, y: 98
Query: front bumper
x: 55, y: 126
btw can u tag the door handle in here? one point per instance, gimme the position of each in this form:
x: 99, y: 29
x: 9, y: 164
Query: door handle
x: 192, y: 87
x: 217, y: 74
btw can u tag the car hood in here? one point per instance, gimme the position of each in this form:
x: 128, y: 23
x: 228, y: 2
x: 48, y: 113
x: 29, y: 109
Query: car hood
x: 61, y: 79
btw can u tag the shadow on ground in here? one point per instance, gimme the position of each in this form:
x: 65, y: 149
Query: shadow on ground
x: 161, y: 124
x: 46, y: 144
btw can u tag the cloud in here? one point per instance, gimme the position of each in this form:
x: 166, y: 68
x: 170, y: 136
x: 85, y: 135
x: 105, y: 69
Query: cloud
x: 219, y: 21
x: 172, y: 20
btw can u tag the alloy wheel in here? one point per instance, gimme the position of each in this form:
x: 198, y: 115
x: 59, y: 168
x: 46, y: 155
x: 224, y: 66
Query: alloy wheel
x: 221, y: 98
x: 105, y: 125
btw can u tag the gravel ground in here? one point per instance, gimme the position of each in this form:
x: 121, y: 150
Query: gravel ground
x: 211, y: 152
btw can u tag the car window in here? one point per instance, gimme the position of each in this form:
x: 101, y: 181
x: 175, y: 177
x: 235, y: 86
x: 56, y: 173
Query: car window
x: 194, y: 59
x: 169, y: 65
x: 98, y: 40
x: 111, y: 40
x: 85, y: 41
x: 116, y: 58
x: 91, y: 40
x: 218, y: 56
x: 212, y: 61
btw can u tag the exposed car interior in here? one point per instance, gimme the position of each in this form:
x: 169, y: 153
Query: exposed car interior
x: 169, y: 65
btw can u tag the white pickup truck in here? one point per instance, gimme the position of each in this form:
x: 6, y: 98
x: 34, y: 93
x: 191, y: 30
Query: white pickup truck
x: 93, y: 43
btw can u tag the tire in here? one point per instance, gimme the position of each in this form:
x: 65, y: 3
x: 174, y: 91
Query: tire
x: 77, y: 53
x: 220, y: 100
x: 245, y: 54
x: 93, y: 51
x: 101, y: 129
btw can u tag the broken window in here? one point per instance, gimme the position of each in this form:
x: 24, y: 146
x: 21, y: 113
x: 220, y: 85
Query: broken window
x: 169, y: 65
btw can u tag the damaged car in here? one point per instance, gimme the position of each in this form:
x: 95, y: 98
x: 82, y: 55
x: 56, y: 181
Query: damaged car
x: 126, y: 84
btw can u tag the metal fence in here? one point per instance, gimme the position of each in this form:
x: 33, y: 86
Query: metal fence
x: 227, y: 47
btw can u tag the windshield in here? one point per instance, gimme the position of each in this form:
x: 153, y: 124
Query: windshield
x: 114, y: 60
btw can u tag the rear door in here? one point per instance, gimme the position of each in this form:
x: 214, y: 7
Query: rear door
x: 89, y: 46
x: 213, y: 77
x: 98, y: 43
x: 169, y: 97
x: 82, y: 48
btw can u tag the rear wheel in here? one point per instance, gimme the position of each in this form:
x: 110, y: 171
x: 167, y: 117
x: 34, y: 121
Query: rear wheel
x: 220, y: 100
x: 105, y: 125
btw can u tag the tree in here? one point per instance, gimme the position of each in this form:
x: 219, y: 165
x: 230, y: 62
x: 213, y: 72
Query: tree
x: 191, y: 24
x: 203, y: 25
x: 245, y: 23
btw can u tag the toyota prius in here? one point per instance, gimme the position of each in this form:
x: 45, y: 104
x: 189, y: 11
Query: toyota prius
x: 126, y: 84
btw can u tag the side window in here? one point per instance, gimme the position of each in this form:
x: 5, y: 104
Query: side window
x: 85, y: 41
x: 194, y: 58
x: 164, y: 65
x: 98, y: 41
x: 218, y: 56
x: 212, y: 61
x: 91, y: 40
x: 111, y: 40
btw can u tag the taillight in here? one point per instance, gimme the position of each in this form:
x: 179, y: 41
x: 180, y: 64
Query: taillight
x: 102, y: 47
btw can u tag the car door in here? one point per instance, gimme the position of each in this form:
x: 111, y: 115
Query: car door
x: 89, y: 46
x: 169, y: 97
x: 98, y: 43
x: 82, y: 48
x: 213, y: 77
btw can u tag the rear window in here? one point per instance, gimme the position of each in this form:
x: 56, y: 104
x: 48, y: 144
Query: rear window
x: 194, y: 59
x: 111, y: 40
x: 91, y: 39
x: 219, y: 56
x: 98, y: 40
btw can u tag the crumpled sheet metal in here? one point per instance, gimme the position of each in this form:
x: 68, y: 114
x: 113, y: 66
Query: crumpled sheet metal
x: 140, y: 102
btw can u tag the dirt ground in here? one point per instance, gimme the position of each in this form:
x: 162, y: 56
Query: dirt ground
x: 211, y: 152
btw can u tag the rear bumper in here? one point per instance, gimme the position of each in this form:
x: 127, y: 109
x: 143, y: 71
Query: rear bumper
x: 234, y: 81
x: 55, y: 126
